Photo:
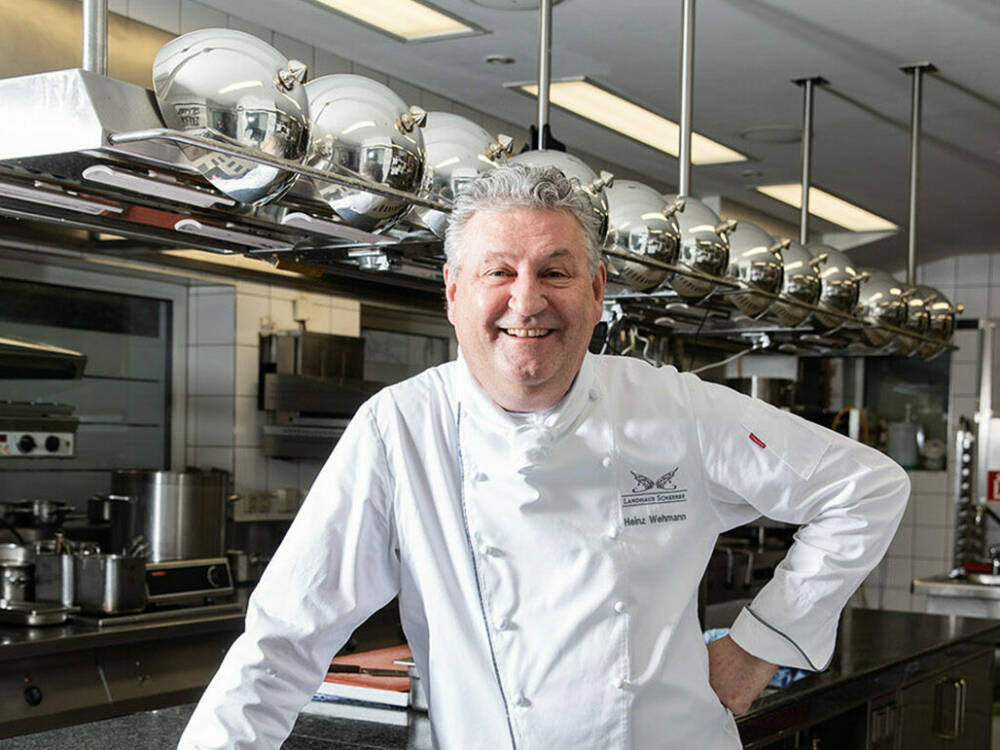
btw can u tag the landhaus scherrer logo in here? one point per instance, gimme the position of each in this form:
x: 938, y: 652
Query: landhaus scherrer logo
x: 649, y: 492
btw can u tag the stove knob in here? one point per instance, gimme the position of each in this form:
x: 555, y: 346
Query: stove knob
x: 216, y: 578
x: 33, y: 695
x: 26, y: 444
x: 51, y: 443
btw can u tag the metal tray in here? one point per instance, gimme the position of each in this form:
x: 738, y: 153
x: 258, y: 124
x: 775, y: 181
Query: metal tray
x: 33, y: 614
x: 987, y: 579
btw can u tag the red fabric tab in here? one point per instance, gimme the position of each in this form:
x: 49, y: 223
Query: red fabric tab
x: 757, y: 441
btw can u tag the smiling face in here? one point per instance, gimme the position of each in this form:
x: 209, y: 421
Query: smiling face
x: 524, y: 304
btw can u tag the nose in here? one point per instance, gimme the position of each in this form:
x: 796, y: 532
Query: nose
x: 527, y: 296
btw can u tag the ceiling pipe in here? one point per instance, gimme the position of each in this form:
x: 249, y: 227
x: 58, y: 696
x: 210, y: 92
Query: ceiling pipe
x: 916, y: 70
x: 95, y: 36
x: 544, y: 69
x: 808, y: 85
x: 687, y: 96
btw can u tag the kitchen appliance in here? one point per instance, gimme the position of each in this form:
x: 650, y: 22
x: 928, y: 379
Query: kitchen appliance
x: 181, y: 514
x: 311, y: 386
x: 458, y: 150
x: 641, y: 225
x: 755, y: 262
x: 800, y: 283
x: 37, y: 430
x: 21, y: 358
x: 704, y: 248
x: 362, y: 128
x: 582, y: 177
x: 188, y: 581
x: 110, y: 584
x: 34, y: 614
x: 230, y: 86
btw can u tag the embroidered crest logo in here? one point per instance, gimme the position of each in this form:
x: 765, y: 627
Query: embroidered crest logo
x: 648, y: 491
x: 644, y: 483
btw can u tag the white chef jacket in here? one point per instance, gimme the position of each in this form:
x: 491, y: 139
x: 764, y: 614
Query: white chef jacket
x: 547, y: 567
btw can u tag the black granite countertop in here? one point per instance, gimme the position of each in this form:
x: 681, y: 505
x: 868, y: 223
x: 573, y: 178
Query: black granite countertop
x: 870, y: 643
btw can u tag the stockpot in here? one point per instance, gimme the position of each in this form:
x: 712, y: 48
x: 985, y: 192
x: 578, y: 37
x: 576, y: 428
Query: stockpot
x: 642, y: 225
x: 181, y: 514
x: 232, y: 87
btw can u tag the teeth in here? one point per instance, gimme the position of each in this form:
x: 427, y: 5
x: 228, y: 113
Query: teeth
x: 530, y: 333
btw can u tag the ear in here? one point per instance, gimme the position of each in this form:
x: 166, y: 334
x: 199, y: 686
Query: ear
x: 598, y: 284
x: 450, y: 288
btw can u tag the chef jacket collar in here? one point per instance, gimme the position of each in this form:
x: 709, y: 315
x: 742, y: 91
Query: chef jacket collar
x: 557, y: 419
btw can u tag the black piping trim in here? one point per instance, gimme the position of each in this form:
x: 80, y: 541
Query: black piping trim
x: 475, y: 571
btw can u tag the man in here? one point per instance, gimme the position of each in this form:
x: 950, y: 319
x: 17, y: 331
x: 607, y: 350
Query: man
x: 545, y: 516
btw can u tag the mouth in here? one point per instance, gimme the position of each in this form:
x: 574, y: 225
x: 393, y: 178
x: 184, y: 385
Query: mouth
x: 527, y: 333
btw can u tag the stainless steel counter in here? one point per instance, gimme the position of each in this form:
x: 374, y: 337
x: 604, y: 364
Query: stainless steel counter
x: 876, y: 652
x: 947, y: 596
x: 66, y: 674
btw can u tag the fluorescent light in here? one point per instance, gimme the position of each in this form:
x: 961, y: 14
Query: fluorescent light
x: 405, y: 20
x: 828, y: 207
x: 581, y: 97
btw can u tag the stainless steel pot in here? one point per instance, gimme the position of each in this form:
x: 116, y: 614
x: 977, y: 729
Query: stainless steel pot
x: 55, y: 579
x: 181, y: 514
x: 642, y: 225
x: 755, y: 262
x: 234, y: 88
x: 110, y: 584
x: 17, y: 565
x: 458, y: 151
x: 582, y: 176
x: 119, y: 512
x: 704, y: 248
x: 361, y: 128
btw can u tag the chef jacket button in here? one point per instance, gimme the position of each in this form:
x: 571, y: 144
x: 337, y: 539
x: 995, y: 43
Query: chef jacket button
x: 620, y: 683
x: 480, y: 477
x: 594, y: 394
x: 503, y: 624
x: 606, y: 462
x: 613, y: 532
x: 619, y: 607
x: 521, y: 700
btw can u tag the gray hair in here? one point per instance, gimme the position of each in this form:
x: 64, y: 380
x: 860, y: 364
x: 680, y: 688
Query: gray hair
x: 521, y: 186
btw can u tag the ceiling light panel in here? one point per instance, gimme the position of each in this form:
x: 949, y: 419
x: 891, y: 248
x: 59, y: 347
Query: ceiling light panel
x: 829, y: 207
x: 586, y: 99
x: 404, y: 20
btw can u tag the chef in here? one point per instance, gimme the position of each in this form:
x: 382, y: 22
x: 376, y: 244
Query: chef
x: 545, y: 516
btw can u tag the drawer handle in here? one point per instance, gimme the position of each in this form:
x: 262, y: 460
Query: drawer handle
x: 959, y: 689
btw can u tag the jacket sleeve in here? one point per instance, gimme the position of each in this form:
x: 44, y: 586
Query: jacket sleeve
x: 335, y: 567
x: 847, y: 497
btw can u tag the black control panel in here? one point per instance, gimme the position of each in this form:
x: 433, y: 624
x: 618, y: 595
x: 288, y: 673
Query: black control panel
x: 182, y: 580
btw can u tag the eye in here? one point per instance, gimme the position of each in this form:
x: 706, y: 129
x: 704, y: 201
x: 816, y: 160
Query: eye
x: 498, y: 273
x: 556, y: 274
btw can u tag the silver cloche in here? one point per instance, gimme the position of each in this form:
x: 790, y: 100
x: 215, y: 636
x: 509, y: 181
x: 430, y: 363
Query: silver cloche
x: 234, y: 88
x: 704, y: 247
x: 755, y: 262
x: 642, y: 225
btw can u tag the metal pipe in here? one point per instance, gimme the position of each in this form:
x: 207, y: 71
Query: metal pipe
x: 687, y: 96
x: 808, y: 85
x: 917, y: 70
x: 95, y: 36
x: 544, y: 67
